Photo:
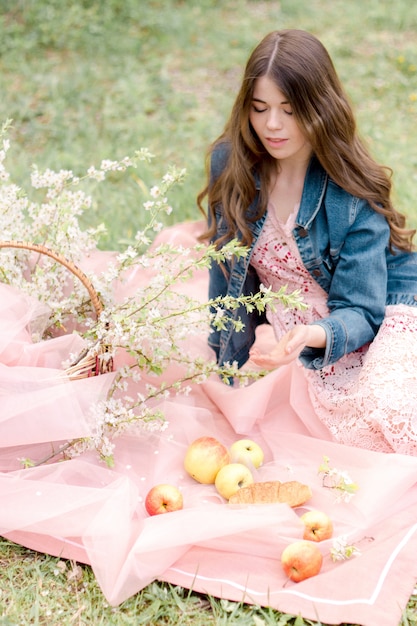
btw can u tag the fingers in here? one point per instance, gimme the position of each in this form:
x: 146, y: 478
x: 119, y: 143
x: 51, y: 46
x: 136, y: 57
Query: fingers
x: 264, y: 361
x: 295, y: 340
x: 293, y: 345
x: 269, y: 360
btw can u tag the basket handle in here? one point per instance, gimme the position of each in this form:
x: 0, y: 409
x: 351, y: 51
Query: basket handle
x: 25, y: 245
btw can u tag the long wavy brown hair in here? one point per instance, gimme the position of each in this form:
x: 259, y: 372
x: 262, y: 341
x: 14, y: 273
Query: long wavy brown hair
x: 303, y: 71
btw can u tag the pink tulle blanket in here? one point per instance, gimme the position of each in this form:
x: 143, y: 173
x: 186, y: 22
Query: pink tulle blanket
x: 82, y: 510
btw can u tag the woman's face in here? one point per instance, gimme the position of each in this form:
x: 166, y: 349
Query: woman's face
x: 273, y: 122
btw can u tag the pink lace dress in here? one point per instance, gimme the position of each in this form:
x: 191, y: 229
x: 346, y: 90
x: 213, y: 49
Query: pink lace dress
x: 368, y: 398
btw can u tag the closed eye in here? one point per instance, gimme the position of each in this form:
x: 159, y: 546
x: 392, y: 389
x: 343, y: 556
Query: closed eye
x: 258, y: 109
x: 262, y: 109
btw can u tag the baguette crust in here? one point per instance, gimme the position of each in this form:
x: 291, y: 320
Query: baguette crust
x: 292, y: 493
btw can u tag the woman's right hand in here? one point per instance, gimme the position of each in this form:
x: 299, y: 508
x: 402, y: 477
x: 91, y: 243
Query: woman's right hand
x: 289, y: 347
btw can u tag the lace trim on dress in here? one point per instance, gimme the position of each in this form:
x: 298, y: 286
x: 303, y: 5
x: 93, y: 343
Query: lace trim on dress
x: 373, y: 403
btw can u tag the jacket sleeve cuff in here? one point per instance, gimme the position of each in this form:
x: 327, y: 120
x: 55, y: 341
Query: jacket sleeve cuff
x: 317, y: 358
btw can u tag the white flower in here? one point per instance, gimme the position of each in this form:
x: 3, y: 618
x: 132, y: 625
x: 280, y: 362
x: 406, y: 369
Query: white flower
x: 154, y: 313
x: 109, y: 166
x: 338, y: 480
x: 127, y: 162
x: 106, y: 447
x: 168, y: 178
x: 341, y: 550
x: 129, y: 253
x: 95, y: 174
x: 155, y: 192
x: 142, y: 238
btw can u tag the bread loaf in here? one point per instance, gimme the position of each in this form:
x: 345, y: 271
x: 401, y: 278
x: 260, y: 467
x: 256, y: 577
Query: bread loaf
x: 292, y: 492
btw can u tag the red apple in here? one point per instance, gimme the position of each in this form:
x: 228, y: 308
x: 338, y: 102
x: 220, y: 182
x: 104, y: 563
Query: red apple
x: 247, y: 452
x: 301, y: 560
x: 317, y: 526
x: 163, y: 498
x: 231, y: 478
x: 204, y: 458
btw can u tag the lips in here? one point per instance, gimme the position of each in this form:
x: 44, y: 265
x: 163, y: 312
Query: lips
x: 276, y: 142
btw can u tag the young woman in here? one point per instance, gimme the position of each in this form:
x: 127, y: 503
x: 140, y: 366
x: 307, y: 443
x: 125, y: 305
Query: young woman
x: 292, y: 180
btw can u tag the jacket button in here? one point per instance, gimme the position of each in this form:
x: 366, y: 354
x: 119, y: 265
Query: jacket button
x: 415, y: 297
x: 303, y: 232
x: 316, y: 272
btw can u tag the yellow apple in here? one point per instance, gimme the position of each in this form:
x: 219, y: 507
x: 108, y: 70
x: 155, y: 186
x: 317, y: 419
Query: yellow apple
x: 231, y: 478
x: 247, y: 452
x: 204, y: 458
x: 317, y: 526
x: 163, y: 498
x: 301, y: 560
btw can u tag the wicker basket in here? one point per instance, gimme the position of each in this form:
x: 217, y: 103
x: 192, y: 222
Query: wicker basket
x: 90, y: 362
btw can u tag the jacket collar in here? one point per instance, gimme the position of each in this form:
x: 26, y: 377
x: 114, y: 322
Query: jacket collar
x: 312, y: 197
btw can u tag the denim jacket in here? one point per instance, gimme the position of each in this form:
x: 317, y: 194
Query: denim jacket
x: 343, y: 243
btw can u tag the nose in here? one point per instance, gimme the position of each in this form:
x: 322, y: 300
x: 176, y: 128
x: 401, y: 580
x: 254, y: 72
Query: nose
x: 274, y: 120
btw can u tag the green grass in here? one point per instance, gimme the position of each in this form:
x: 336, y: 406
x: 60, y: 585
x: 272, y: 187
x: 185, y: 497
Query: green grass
x: 85, y: 80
